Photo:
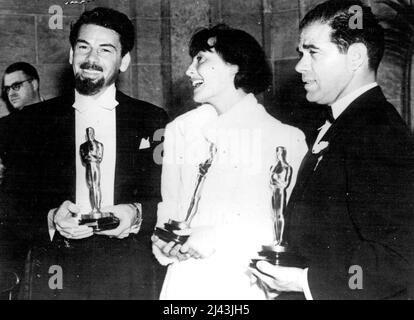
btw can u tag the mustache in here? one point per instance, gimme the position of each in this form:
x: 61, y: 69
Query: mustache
x: 87, y: 65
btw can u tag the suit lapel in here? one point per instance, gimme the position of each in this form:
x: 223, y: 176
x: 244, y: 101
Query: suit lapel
x: 128, y: 135
x: 311, y: 162
x: 119, y: 147
x: 68, y: 126
x: 341, y: 127
x: 72, y: 148
x: 344, y: 124
x: 57, y: 153
x: 305, y: 171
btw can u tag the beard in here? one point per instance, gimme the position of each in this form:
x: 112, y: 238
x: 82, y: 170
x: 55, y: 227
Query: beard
x: 86, y: 86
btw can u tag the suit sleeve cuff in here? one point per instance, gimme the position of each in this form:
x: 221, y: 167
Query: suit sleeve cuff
x: 305, y: 285
x: 136, y: 224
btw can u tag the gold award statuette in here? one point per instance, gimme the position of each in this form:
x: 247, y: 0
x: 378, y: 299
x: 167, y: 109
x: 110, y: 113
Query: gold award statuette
x: 91, y: 153
x: 278, y: 253
x: 167, y: 234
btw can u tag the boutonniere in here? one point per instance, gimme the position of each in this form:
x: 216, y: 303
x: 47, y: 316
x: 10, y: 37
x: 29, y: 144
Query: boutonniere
x: 319, y: 149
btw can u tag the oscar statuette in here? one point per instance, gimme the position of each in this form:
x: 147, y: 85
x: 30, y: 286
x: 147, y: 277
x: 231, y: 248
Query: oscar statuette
x: 278, y: 253
x: 91, y: 153
x: 167, y: 234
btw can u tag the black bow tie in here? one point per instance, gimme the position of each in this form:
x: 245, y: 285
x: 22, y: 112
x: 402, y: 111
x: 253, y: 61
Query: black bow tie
x: 327, y: 114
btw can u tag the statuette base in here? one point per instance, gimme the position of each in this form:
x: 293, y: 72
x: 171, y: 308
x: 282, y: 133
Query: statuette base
x: 167, y: 234
x: 100, y: 221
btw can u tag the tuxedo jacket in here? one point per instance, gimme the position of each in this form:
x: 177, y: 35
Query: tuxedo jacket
x: 351, y: 212
x: 41, y: 158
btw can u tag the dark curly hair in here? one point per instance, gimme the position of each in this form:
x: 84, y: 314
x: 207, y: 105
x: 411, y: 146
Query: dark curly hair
x: 107, y: 18
x: 337, y: 14
x: 239, y: 48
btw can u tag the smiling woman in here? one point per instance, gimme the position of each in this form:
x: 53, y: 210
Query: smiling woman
x: 233, y: 216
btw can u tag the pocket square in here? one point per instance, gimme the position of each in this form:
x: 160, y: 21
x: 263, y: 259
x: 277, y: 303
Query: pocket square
x: 145, y: 144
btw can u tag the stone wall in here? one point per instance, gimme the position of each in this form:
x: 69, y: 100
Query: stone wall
x: 25, y: 35
x: 390, y: 72
x: 160, y: 58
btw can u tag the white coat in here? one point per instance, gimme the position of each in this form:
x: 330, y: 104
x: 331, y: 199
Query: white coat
x: 235, y: 199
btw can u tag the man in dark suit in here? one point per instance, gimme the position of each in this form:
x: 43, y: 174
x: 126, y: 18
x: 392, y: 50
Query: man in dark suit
x: 351, y: 212
x: 46, y: 183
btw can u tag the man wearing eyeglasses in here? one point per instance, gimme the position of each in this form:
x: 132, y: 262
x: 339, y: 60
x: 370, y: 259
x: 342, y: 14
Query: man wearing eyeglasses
x: 21, y: 85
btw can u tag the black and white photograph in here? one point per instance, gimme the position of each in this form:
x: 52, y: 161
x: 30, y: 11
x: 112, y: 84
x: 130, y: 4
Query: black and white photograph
x: 207, y: 154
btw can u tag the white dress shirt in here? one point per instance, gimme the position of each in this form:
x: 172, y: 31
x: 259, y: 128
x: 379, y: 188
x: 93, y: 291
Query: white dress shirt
x: 100, y: 115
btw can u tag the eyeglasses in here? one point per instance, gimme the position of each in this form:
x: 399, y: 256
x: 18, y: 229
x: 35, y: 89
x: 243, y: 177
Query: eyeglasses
x: 16, y: 86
